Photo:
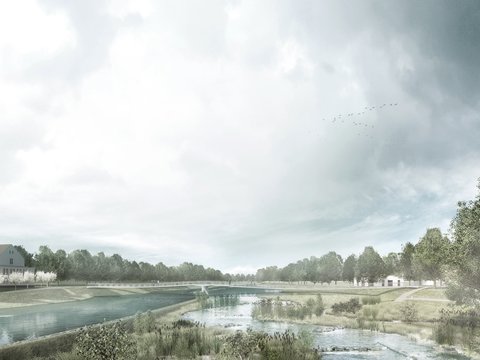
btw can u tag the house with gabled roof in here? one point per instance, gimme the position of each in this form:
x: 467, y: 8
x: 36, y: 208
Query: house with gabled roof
x: 11, y: 260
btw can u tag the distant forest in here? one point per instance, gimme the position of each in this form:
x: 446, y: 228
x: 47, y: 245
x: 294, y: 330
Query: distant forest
x: 435, y: 256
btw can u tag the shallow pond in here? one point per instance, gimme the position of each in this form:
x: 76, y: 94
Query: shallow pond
x: 387, y: 346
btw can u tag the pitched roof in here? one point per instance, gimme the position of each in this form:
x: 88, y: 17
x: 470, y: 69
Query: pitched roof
x: 4, y: 247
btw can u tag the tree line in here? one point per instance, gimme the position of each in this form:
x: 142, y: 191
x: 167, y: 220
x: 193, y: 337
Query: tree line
x: 452, y: 257
x: 82, y: 265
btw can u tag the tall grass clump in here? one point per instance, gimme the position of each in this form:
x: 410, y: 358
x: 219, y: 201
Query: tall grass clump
x: 370, y: 300
x: 144, y: 323
x: 260, y: 345
x: 367, y: 318
x: 458, y: 324
x: 281, y: 309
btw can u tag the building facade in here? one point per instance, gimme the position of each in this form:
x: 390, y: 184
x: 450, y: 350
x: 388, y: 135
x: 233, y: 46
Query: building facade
x: 11, y: 260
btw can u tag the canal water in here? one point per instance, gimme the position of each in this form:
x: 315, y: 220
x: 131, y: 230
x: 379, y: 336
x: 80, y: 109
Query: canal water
x: 31, y: 322
x: 237, y: 316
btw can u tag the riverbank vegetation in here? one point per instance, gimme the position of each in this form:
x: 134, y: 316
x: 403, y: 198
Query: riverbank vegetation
x: 145, y: 338
x: 278, y: 309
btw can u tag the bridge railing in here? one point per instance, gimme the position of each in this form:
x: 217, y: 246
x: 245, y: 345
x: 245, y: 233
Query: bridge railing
x: 154, y: 284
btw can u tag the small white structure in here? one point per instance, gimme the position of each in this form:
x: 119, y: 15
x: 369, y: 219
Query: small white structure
x: 392, y: 281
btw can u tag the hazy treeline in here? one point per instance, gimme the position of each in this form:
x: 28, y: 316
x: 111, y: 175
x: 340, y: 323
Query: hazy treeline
x: 82, y: 265
x: 454, y: 258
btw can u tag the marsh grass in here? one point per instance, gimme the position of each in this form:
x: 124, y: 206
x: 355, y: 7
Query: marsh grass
x: 371, y: 300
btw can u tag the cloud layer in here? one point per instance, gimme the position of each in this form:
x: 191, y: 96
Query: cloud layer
x: 210, y: 132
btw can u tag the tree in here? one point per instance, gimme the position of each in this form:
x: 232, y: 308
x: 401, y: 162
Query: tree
x: 45, y: 277
x: 392, y: 263
x: 81, y: 265
x: 45, y: 259
x: 370, y: 265
x: 431, y: 254
x: 464, y: 254
x: 330, y: 267
x: 29, y: 261
x: 312, y: 270
x: 406, y: 261
x: 61, y: 264
x: 15, y: 278
x: 28, y: 277
x: 348, y: 273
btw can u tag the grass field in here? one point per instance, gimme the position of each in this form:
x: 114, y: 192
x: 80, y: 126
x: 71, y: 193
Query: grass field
x: 431, y: 293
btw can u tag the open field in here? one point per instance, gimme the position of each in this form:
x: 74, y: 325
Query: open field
x: 431, y: 293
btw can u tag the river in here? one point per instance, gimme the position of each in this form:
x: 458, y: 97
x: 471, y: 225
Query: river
x: 23, y: 323
x: 387, y: 346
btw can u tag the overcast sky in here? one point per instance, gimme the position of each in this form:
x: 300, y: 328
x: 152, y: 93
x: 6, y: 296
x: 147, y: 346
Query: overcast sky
x: 209, y: 131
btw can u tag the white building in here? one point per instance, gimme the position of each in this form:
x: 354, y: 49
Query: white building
x: 392, y: 281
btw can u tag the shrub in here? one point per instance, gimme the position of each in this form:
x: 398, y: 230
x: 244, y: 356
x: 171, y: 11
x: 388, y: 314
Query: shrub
x: 350, y: 306
x: 319, y: 306
x: 105, y: 342
x: 409, y: 312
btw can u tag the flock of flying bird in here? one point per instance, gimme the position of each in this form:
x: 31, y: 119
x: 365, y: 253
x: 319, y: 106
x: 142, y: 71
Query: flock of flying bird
x: 342, y: 118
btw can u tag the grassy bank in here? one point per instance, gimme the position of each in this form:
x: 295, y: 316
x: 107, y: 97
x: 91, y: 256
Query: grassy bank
x: 49, y: 295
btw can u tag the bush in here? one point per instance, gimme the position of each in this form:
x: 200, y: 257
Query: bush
x: 105, y: 342
x: 350, y: 306
x: 319, y: 306
x: 409, y: 312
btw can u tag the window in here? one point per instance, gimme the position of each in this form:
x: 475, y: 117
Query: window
x: 11, y: 261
